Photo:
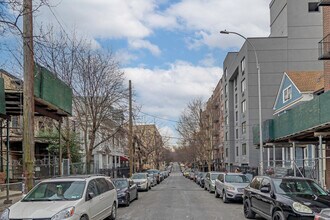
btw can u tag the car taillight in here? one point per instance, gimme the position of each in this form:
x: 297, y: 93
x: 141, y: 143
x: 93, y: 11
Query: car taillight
x: 317, y: 217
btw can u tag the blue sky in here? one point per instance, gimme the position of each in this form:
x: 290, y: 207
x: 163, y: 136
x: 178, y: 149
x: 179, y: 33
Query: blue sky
x: 170, y: 49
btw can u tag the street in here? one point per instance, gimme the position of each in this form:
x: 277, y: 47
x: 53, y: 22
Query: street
x: 179, y: 198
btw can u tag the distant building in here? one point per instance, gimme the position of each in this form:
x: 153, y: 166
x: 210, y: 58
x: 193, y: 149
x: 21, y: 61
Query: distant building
x: 148, y: 147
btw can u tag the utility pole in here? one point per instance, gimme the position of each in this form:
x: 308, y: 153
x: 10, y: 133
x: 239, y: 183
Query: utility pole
x: 28, y: 95
x: 130, y: 131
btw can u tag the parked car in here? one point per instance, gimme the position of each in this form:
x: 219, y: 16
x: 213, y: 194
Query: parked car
x: 200, y: 177
x: 155, y: 172
x: 324, y: 215
x: 284, y: 198
x: 209, y: 181
x: 192, y: 174
x: 186, y: 173
x: 142, y: 181
x: 72, y: 198
x: 230, y: 186
x: 126, y: 191
x: 153, y: 179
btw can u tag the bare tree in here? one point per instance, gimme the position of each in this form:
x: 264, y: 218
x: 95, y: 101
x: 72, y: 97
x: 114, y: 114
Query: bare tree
x: 190, y: 129
x: 98, y: 88
x: 97, y: 83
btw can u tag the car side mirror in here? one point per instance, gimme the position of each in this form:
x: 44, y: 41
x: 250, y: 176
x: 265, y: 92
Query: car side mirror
x: 90, y: 195
x: 265, y: 189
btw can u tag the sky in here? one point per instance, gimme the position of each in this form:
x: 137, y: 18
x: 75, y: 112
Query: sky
x: 171, y: 50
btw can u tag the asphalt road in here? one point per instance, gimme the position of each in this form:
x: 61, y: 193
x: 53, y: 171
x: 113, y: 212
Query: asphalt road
x: 179, y: 198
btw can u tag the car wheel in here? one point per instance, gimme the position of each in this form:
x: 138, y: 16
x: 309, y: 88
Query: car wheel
x: 84, y: 217
x: 216, y: 193
x: 128, y: 200
x: 224, y: 197
x: 204, y: 187
x: 278, y: 215
x: 113, y: 215
x: 137, y: 195
x: 248, y: 213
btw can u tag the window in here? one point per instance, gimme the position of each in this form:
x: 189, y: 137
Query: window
x: 227, y: 121
x: 244, y: 106
x: 235, y: 83
x: 243, y: 85
x: 226, y: 136
x: 313, y: 7
x: 256, y: 182
x: 236, y: 151
x: 225, y: 73
x: 244, y: 149
x: 236, y: 116
x: 226, y: 105
x: 265, y: 183
x: 243, y: 127
x: 226, y: 90
x: 235, y: 98
x: 236, y: 133
x: 243, y: 65
x: 14, y: 122
x: 287, y: 94
x: 102, y: 185
x: 92, y: 188
x: 226, y: 152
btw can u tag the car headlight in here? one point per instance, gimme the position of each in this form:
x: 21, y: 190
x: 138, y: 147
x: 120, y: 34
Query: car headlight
x: 230, y: 188
x: 301, y: 208
x: 65, y: 213
x: 5, y: 215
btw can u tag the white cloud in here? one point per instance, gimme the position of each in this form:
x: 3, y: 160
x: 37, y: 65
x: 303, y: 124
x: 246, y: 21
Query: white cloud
x: 208, y: 60
x: 143, y: 44
x: 165, y: 92
x: 102, y: 18
x: 139, y: 19
x: 207, y: 18
x: 124, y: 56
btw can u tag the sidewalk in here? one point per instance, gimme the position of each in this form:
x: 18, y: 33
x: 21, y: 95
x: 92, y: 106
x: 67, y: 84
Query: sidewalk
x: 15, y: 196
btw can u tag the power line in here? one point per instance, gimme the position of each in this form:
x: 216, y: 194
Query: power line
x: 159, y: 117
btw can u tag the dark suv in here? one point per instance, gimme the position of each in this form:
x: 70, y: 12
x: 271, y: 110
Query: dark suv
x: 284, y: 198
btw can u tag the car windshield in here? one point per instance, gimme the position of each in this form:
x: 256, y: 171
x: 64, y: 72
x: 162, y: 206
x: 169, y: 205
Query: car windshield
x: 236, y: 179
x: 214, y: 176
x: 56, y: 191
x: 298, y: 186
x: 120, y: 184
x: 139, y: 176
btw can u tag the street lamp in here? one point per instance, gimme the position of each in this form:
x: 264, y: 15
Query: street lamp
x: 261, y: 168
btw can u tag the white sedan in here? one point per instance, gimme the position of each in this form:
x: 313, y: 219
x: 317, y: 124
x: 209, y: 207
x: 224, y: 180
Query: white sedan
x: 70, y: 198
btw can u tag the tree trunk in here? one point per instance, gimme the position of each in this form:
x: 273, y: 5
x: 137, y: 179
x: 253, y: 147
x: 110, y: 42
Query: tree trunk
x: 90, y: 153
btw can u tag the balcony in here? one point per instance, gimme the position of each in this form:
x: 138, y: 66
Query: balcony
x: 324, y: 47
x: 324, y: 3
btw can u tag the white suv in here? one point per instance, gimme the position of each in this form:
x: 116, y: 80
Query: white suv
x: 69, y: 198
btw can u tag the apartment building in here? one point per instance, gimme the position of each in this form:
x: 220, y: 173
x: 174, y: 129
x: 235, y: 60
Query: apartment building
x: 296, y: 28
x: 213, y: 122
x: 148, y: 146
